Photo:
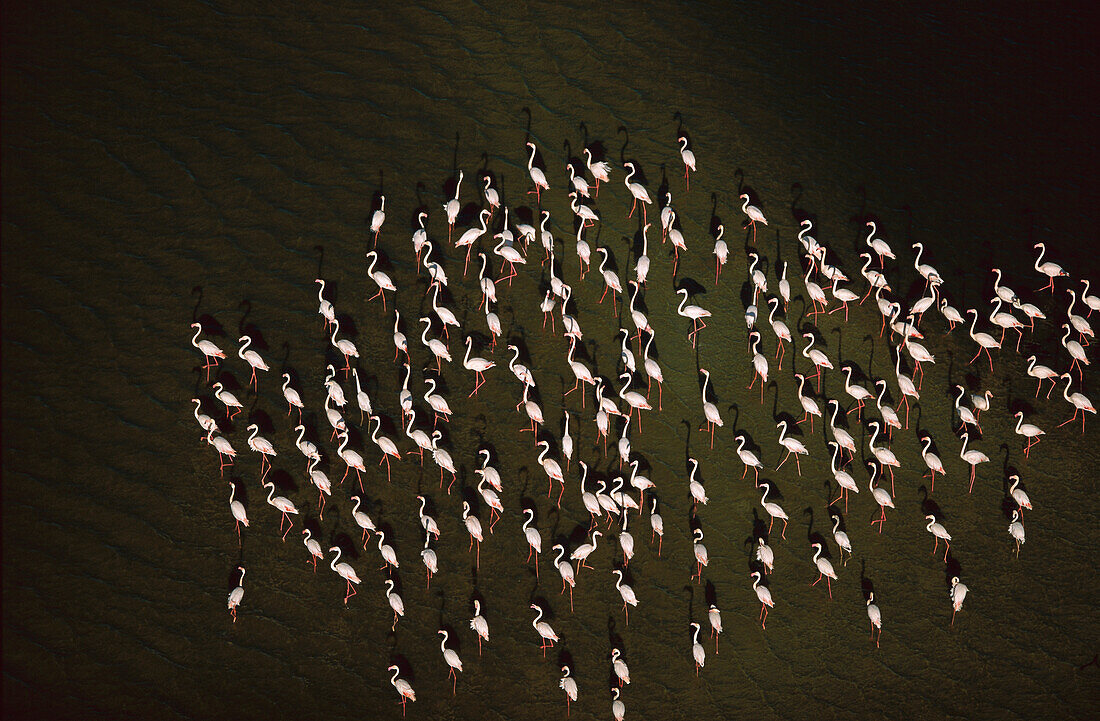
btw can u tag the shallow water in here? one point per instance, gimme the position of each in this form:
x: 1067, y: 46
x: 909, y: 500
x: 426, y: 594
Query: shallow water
x: 165, y: 163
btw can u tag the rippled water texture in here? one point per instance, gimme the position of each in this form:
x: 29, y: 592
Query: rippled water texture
x: 171, y: 162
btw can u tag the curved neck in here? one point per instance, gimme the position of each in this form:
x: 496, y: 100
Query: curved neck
x: 247, y: 342
x: 195, y: 340
x: 629, y: 175
x: 531, y: 160
x: 1042, y: 250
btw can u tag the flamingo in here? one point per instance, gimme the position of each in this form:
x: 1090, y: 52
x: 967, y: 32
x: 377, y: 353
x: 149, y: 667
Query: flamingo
x: 335, y: 392
x: 1018, y: 494
x: 931, y: 460
x: 809, y: 405
x: 537, y: 176
x: 610, y: 280
x: 765, y: 555
x: 578, y: 181
x: 585, y: 213
x: 698, y: 493
x: 1051, y: 270
x: 927, y: 272
x: 792, y: 445
x: 1080, y: 403
x: 845, y: 297
x: 882, y: 498
x: 435, y: 270
x: 293, y: 400
x: 764, y: 595
x: 842, y: 477
x: 492, y: 197
x: 419, y: 236
x: 641, y: 323
x: 261, y: 445
x: 397, y: 604
x: 313, y: 547
x: 452, y: 659
x: 565, y: 569
x: 641, y: 266
x: 951, y: 314
x: 966, y: 415
x: 634, y: 399
x: 1007, y: 321
x: 884, y: 455
x: 629, y: 599
x: 859, y: 393
x: 351, y: 459
x: 676, y: 237
x: 583, y: 551
x: 698, y: 653
x: 533, y: 410
x: 442, y: 458
x: 782, y: 332
x: 491, y: 475
x: 748, y: 458
x: 389, y: 556
x: 334, y: 418
x: 584, y: 254
x: 284, y: 506
x: 841, y: 538
x: 1016, y: 530
x: 344, y: 347
x: 240, y: 516
x: 211, y: 353
x: 252, y: 358
x: 875, y: 616
x: 1092, y: 301
x: 1029, y: 431
x: 430, y: 559
x: 380, y: 279
x: 842, y: 437
x: 519, y: 370
x: 972, y: 457
x: 875, y: 280
x: 228, y: 399
x: 774, y: 510
x: 880, y: 246
x: 759, y: 280
x: 236, y: 595
x: 817, y: 295
x: 938, y: 531
x: 715, y: 618
x: 324, y: 308
x: 638, y: 191
x: 1076, y: 352
x: 321, y: 481
x: 1041, y: 373
x: 362, y: 520
x: 721, y: 253
x: 657, y: 524
x: 452, y: 207
x: 759, y: 363
x: 403, y: 688
x: 471, y: 236
x: 710, y: 411
x: 222, y: 446
x: 534, y: 540
x: 618, y: 708
x: 400, y: 342
x: 479, y: 625
x: 824, y: 569
x: 908, y: 388
x: 567, y: 683
x: 701, y: 555
x: 600, y: 170
x: 477, y: 365
x: 817, y: 357
x: 958, y: 595
x: 753, y: 213
x: 689, y: 161
x: 427, y: 522
x: 473, y: 527
x: 377, y: 218
x: 1079, y: 324
x: 509, y: 255
x: 544, y: 630
x: 206, y: 422
x: 436, y: 346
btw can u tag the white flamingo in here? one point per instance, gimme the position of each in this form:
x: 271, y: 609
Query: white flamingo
x: 324, y: 307
x: 537, y: 176
x: 1029, y: 431
x: 972, y: 457
x: 754, y: 214
x: 453, y: 661
x: 638, y: 191
x: 627, y: 593
x: 452, y: 207
x: 1080, y: 404
x: 764, y: 595
x: 436, y: 346
x: 284, y: 506
x: 958, y: 595
x: 543, y: 629
x: 236, y: 595
x: 479, y: 625
x: 1050, y: 270
x: 774, y: 510
x: 935, y: 465
x: 792, y: 446
x: 380, y: 279
x: 938, y: 532
x: 252, y: 358
x: 882, y: 498
x: 293, y: 399
x: 824, y: 569
x: 1041, y: 373
x: 240, y: 516
x: 211, y: 353
x: 710, y: 411
x: 344, y: 347
x: 748, y: 458
x: 404, y: 689
x: 261, y: 445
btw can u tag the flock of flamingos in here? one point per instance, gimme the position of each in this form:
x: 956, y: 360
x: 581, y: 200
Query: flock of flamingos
x: 825, y: 285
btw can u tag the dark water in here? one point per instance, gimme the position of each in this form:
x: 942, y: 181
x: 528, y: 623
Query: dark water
x: 168, y: 162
